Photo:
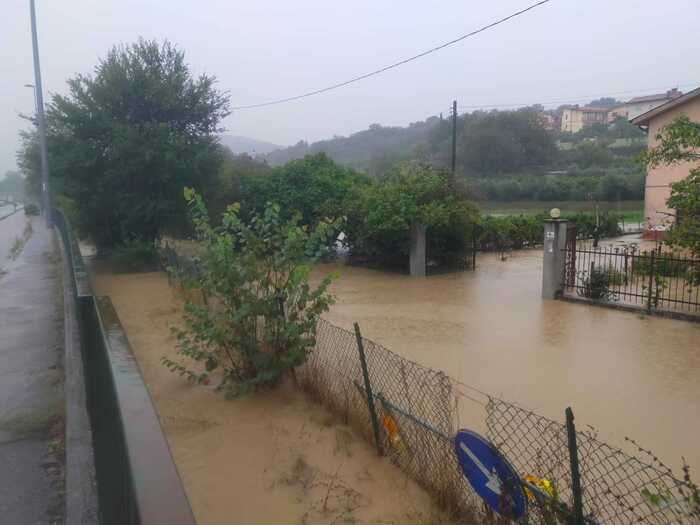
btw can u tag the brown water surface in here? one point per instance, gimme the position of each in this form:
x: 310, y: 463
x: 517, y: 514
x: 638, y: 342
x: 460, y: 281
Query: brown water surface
x: 623, y: 373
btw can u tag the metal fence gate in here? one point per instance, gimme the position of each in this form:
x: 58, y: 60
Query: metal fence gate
x: 651, y: 280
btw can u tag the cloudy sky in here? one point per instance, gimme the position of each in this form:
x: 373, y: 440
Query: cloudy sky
x: 563, y: 51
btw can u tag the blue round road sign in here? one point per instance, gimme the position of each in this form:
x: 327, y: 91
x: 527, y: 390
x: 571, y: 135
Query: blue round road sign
x: 492, y: 477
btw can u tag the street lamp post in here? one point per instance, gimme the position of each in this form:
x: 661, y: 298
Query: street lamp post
x: 41, y: 120
x: 36, y: 106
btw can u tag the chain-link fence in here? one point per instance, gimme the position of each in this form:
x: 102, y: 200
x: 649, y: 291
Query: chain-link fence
x: 418, y: 412
x: 567, y: 476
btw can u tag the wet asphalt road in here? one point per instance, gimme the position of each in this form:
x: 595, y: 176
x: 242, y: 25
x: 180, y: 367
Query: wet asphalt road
x: 31, y: 399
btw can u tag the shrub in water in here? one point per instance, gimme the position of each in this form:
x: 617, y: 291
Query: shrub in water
x: 134, y: 255
x: 264, y: 321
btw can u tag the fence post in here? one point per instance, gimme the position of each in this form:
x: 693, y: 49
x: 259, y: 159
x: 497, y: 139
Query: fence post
x: 651, y: 278
x: 368, y: 390
x: 575, y: 474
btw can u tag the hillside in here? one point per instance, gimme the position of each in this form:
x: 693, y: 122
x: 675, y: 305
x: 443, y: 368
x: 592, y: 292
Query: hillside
x: 371, y: 150
x: 238, y: 144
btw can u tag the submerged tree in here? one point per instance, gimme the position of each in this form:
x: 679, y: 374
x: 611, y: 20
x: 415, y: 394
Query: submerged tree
x: 379, y: 216
x: 264, y: 321
x: 124, y: 142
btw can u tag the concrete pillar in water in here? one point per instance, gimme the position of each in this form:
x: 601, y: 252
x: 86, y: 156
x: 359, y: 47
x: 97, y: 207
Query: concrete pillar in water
x: 554, y: 258
x: 417, y: 252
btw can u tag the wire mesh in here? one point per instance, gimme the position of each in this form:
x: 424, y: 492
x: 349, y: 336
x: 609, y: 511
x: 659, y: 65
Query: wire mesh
x: 618, y: 488
x: 419, y: 415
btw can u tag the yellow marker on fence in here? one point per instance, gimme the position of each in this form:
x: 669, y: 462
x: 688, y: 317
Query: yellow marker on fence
x: 392, y: 430
x: 544, y: 485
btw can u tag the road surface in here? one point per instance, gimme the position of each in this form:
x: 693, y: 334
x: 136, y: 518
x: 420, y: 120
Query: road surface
x: 31, y: 388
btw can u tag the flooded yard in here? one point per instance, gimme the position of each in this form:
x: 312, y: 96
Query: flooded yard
x: 273, y: 457
x: 623, y: 373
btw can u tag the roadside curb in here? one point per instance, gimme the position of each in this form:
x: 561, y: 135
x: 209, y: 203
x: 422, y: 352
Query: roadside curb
x: 81, y: 481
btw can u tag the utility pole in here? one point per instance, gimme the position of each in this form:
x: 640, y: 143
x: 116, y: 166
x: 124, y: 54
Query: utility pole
x: 454, y: 139
x: 41, y: 120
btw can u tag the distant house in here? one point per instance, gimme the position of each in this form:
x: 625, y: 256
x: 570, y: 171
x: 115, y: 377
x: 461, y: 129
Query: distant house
x: 618, y: 112
x: 549, y: 121
x: 575, y: 118
x: 659, y: 179
x: 639, y: 105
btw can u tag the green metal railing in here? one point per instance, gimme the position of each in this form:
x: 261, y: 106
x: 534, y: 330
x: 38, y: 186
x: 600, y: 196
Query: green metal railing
x: 137, y: 481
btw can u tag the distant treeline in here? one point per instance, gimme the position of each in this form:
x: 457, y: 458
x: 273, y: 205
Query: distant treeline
x: 503, y: 155
x: 584, y: 185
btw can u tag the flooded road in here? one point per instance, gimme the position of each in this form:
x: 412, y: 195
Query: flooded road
x: 623, y: 373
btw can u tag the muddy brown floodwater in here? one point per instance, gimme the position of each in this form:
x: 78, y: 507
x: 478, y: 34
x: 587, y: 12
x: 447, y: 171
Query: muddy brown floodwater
x: 271, y: 458
x: 623, y: 373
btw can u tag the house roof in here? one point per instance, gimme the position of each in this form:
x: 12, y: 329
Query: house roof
x: 621, y: 107
x: 645, y: 118
x: 653, y: 98
x: 587, y: 109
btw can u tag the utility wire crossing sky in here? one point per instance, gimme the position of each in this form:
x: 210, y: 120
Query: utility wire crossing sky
x: 395, y: 64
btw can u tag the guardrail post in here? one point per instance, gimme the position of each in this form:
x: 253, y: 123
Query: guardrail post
x: 575, y: 473
x: 368, y: 390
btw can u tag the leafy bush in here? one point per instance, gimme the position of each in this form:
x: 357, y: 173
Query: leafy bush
x: 136, y: 255
x: 596, y: 285
x: 521, y: 231
x: 264, y: 320
x: 31, y: 209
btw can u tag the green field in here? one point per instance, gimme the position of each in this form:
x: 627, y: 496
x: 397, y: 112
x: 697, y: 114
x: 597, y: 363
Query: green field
x: 631, y: 211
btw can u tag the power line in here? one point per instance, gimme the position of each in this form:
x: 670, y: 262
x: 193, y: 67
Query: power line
x: 582, y: 98
x: 395, y: 64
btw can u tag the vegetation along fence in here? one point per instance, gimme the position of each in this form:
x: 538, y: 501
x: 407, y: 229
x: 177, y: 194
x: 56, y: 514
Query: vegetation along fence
x: 411, y: 413
x: 137, y: 481
x: 651, y: 280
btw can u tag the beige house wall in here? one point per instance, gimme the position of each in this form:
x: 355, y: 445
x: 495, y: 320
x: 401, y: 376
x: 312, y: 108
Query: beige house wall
x: 634, y: 110
x: 659, y: 179
x: 571, y: 120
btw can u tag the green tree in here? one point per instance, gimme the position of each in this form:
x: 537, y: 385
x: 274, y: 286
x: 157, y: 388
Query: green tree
x: 379, y: 216
x: 315, y: 187
x: 12, y: 186
x: 680, y: 142
x: 238, y: 179
x: 503, y: 142
x: 264, y: 323
x: 604, y: 102
x: 126, y: 140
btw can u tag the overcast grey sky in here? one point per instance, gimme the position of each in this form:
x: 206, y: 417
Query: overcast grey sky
x: 266, y: 49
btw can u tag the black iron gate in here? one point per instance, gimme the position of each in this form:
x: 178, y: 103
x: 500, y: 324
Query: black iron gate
x: 652, y: 280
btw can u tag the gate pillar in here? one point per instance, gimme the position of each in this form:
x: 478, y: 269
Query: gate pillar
x: 554, y: 256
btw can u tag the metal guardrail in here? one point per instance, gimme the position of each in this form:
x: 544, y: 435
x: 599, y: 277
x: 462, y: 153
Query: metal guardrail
x: 137, y: 480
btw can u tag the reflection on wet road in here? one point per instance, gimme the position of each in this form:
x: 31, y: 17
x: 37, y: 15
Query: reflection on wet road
x: 625, y: 374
